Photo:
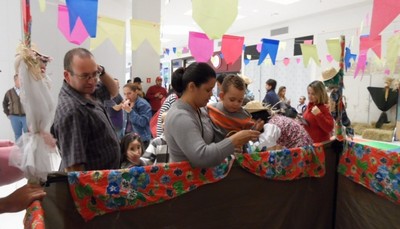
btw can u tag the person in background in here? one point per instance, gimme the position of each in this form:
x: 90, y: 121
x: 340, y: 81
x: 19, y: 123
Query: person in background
x: 228, y: 115
x: 271, y: 98
x: 138, y: 82
x: 129, y: 81
x: 188, y: 128
x: 302, y: 105
x: 317, y: 115
x: 137, y: 114
x: 114, y: 110
x: 84, y: 133
x: 248, y: 95
x: 131, y: 151
x: 216, y: 90
x: 14, y: 110
x: 157, y: 151
x: 155, y: 95
x: 282, y: 97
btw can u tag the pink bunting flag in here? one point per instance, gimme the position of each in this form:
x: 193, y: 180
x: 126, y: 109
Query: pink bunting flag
x: 286, y: 61
x: 387, y: 72
x: 367, y: 43
x: 308, y: 42
x: 185, y: 50
x: 231, y: 48
x: 383, y: 13
x: 78, y: 34
x: 200, y: 46
x: 258, y: 47
x: 362, y: 62
x: 329, y: 58
x: 298, y: 60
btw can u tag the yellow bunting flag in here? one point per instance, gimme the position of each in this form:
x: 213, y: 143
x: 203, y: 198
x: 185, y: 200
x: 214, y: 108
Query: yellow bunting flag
x: 145, y: 30
x: 214, y: 17
x: 282, y: 45
x: 108, y: 28
x: 334, y: 48
x: 392, y: 52
x: 309, y: 51
x: 42, y: 5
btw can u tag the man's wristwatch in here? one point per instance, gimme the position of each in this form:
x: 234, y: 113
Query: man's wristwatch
x: 103, y: 70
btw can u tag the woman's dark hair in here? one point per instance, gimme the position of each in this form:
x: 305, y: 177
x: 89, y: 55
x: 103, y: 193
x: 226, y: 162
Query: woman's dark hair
x: 263, y: 115
x: 126, y: 140
x: 198, y: 73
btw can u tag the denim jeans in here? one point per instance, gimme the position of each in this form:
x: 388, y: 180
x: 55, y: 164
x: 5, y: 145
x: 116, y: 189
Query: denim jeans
x: 18, y: 124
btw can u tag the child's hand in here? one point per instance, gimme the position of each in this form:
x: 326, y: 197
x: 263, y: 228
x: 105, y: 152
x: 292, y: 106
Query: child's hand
x: 134, y: 157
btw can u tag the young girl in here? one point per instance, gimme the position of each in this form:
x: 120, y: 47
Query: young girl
x: 317, y: 115
x: 131, y: 151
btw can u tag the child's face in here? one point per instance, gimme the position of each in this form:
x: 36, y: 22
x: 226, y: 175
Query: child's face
x: 311, y: 95
x: 134, y: 152
x: 232, y: 99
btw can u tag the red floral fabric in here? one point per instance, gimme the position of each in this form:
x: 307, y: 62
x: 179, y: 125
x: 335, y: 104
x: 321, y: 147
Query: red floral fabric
x: 34, y: 217
x: 286, y: 164
x: 375, y: 169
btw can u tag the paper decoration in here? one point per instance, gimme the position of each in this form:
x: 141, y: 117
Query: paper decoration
x: 387, y: 72
x: 367, y: 43
x: 347, y: 57
x: 108, y: 28
x: 282, y: 45
x: 383, y: 13
x: 174, y: 49
x: 179, y: 53
x: 334, y: 48
x: 286, y: 61
x: 362, y: 61
x: 200, y: 46
x: 214, y: 17
x: 78, y: 34
x: 215, y: 61
x: 298, y: 60
x: 246, y: 61
x: 392, y: 52
x: 270, y: 47
x: 42, y: 5
x: 309, y: 51
x: 258, y: 47
x: 185, y: 50
x: 166, y: 51
x: 231, y: 48
x: 308, y: 42
x: 145, y: 30
x: 329, y: 58
x: 86, y: 10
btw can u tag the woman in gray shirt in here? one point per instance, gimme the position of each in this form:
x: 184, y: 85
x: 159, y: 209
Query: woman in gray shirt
x: 188, y: 129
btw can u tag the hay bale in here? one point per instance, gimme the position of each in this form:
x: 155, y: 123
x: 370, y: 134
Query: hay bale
x: 378, y: 134
x: 385, y: 126
x: 360, y: 127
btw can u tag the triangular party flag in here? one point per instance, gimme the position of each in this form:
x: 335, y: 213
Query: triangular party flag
x: 282, y: 45
x: 174, y: 49
x: 207, y: 14
x: 108, y: 28
x: 179, y: 52
x: 362, y: 62
x: 78, y: 34
x: 200, y: 46
x: 246, y: 61
x: 392, y: 52
x: 367, y: 43
x: 42, y: 5
x: 383, y: 13
x: 309, y: 51
x: 166, y: 51
x: 347, y: 57
x: 286, y: 61
x: 298, y: 60
x: 145, y: 30
x: 334, y: 48
x: 87, y: 11
x: 270, y: 47
x: 185, y: 50
x: 231, y: 48
x: 308, y: 42
x: 258, y: 47
x: 329, y: 58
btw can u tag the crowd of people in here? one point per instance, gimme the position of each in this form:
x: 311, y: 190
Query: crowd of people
x: 98, y: 128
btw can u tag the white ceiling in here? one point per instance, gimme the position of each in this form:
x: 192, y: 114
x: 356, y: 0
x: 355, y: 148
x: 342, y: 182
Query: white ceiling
x: 176, y: 19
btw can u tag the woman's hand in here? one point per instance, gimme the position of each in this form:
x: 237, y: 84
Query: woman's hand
x: 244, y: 136
x: 127, y: 106
x: 315, y: 110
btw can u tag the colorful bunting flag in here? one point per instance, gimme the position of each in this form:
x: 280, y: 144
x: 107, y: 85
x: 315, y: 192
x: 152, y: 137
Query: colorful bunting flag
x: 270, y: 47
x: 392, y: 52
x: 367, y: 43
x: 309, y: 51
x: 200, y: 46
x: 214, y: 17
x: 334, y: 48
x: 42, y: 5
x: 78, y: 34
x: 231, y: 48
x: 362, y: 62
x: 383, y: 13
x: 348, y: 56
x: 145, y: 30
x: 86, y: 10
x: 108, y: 28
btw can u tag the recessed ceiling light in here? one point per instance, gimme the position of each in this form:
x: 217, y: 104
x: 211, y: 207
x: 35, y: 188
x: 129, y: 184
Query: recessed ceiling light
x: 283, y: 2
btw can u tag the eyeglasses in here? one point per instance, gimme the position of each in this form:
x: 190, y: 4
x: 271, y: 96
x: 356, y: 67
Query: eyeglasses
x: 87, y: 76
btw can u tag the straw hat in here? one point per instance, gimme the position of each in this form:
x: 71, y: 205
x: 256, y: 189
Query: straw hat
x: 254, y: 106
x: 329, y: 73
x: 246, y: 79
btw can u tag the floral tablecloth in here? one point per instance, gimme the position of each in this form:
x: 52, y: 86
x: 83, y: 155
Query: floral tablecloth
x: 34, y: 216
x: 375, y: 169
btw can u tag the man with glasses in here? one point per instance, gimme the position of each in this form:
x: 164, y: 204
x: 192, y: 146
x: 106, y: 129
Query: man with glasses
x: 83, y: 130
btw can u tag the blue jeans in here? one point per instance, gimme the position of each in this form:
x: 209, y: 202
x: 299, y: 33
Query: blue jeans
x: 18, y: 124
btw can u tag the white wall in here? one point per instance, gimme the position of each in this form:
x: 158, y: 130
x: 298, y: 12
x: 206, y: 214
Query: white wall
x: 10, y: 24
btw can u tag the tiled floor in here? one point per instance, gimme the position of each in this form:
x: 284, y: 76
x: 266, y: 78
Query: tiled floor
x: 12, y: 220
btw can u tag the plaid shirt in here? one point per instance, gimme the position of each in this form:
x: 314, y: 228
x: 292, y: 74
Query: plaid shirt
x: 84, y: 131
